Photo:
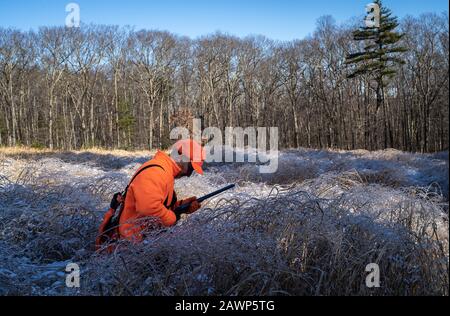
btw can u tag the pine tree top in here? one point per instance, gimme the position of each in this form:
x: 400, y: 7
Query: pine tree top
x: 381, y: 54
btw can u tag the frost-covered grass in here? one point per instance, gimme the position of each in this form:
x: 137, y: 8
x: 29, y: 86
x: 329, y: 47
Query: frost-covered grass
x: 309, y: 229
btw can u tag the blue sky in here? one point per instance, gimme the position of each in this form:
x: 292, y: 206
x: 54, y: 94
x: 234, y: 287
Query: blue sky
x: 276, y: 19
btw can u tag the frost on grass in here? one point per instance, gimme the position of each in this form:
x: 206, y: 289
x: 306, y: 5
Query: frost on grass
x: 309, y: 229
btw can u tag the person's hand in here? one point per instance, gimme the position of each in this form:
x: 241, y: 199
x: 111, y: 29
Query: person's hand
x: 116, y: 201
x: 193, y: 207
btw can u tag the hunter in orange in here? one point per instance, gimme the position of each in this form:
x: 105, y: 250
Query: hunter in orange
x: 151, y: 194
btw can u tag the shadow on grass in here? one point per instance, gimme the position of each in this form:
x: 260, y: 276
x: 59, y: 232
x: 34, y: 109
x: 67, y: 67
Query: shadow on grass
x: 105, y: 162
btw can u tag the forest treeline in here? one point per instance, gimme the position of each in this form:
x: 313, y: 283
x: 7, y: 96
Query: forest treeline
x: 116, y: 87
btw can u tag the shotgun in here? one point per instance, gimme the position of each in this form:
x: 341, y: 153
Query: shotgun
x: 184, y: 207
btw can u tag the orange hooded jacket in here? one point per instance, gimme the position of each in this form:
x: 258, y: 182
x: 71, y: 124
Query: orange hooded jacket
x: 150, y: 195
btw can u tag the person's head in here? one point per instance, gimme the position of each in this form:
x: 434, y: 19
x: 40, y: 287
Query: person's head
x: 189, y: 156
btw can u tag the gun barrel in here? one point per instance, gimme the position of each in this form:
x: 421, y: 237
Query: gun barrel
x: 210, y: 195
x: 203, y: 198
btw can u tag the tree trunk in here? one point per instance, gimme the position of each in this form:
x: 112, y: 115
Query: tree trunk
x: 50, y: 120
x: 13, y: 111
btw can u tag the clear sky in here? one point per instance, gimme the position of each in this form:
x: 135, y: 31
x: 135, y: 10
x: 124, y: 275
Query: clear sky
x: 276, y: 19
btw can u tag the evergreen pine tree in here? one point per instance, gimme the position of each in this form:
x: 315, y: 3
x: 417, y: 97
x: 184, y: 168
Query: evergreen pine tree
x: 381, y: 55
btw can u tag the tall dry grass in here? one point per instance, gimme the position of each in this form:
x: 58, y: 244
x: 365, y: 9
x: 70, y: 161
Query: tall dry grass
x: 290, y: 243
x: 313, y: 236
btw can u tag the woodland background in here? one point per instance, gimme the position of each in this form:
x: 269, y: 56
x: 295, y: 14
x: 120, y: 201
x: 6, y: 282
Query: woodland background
x: 115, y: 87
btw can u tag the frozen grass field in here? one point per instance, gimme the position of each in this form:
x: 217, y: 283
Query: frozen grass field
x: 309, y: 229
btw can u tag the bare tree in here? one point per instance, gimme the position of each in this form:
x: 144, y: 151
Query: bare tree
x: 119, y: 88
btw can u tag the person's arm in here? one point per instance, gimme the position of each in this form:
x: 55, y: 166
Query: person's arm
x: 150, y: 192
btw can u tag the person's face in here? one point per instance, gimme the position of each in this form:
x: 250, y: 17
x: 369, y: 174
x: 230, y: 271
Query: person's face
x: 186, y: 169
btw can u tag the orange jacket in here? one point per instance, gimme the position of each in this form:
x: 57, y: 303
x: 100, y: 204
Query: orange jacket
x: 146, y: 197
